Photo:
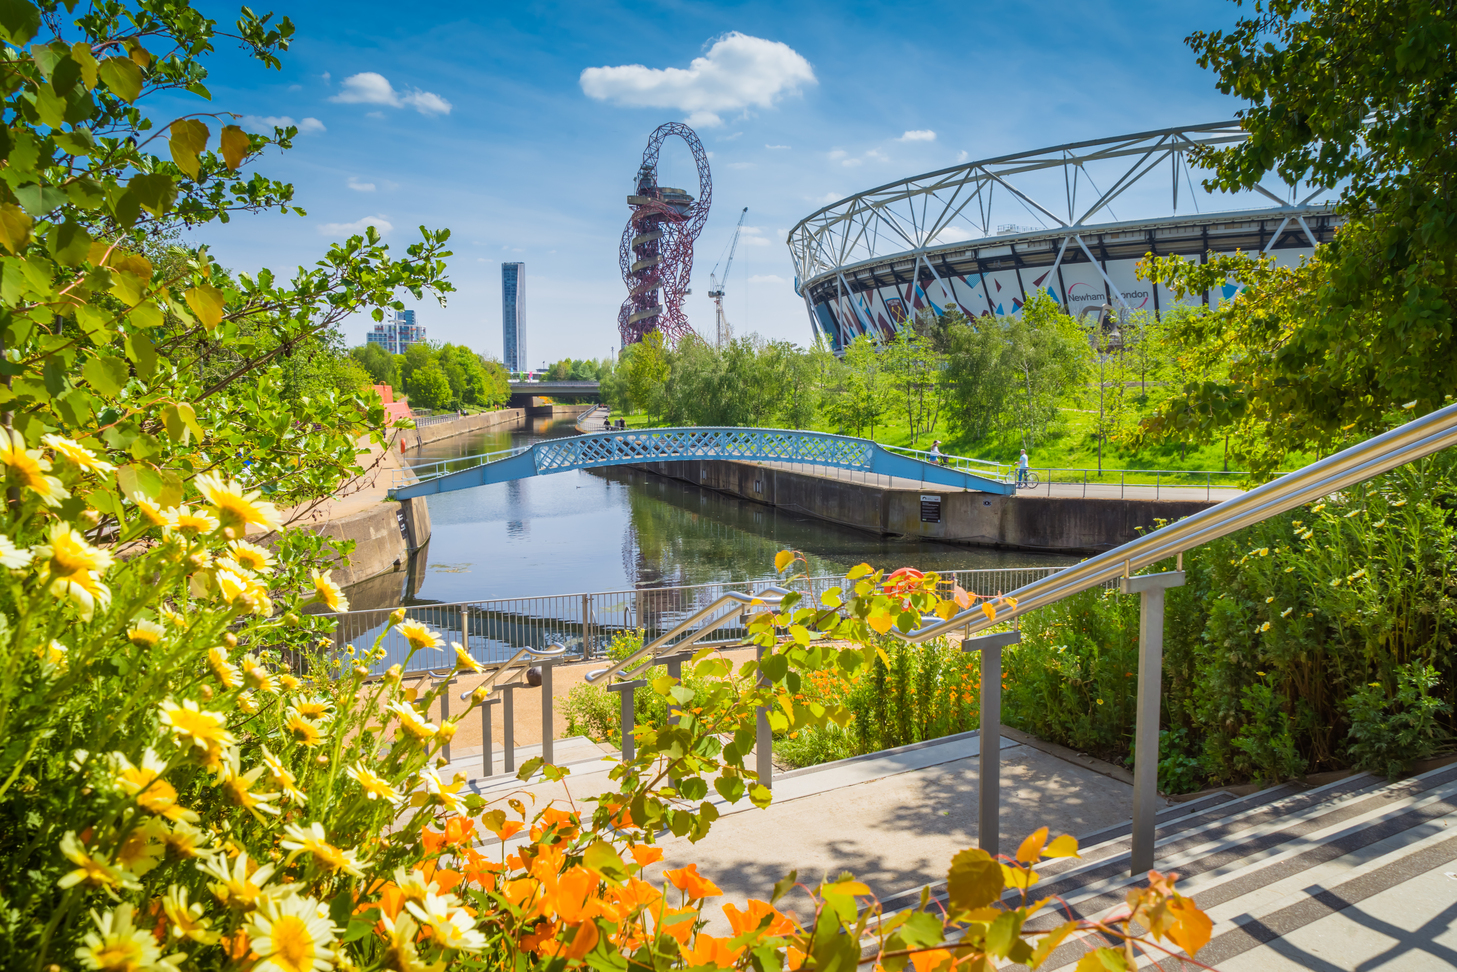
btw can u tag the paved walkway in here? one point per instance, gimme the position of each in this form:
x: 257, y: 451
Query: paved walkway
x: 894, y: 819
x: 1109, y: 491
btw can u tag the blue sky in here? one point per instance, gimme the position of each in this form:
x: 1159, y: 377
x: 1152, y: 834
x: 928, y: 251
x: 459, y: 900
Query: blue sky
x: 478, y: 117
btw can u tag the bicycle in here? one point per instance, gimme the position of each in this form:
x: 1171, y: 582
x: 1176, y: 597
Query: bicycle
x: 1028, y: 480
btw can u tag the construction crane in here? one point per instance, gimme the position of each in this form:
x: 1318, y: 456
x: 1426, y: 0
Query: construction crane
x: 715, y: 289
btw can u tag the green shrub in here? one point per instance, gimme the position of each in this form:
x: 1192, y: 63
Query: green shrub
x: 1389, y: 732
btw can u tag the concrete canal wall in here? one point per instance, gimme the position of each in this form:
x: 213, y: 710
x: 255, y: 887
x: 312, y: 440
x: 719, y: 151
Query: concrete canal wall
x: 1063, y: 524
x: 414, y: 438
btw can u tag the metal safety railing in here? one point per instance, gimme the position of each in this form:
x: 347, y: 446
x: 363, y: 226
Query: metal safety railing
x: 430, y: 468
x: 585, y: 624
x: 1378, y: 455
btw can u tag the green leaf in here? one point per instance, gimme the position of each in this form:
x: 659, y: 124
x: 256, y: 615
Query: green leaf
x: 189, y: 138
x: 774, y: 667
x: 760, y: 796
x: 123, y: 77
x: 79, y: 141
x: 74, y: 407
x: 529, y: 767
x: 38, y: 201
x: 145, y: 446
x: 358, y: 929
x: 50, y: 106
x: 782, y: 886
x: 236, y: 145
x: 86, y: 62
x: 105, y: 373
x: 1003, y: 932
x: 603, y: 858
x: 177, y: 431
x: 19, y: 21
x: 15, y: 227
x: 974, y: 880
x: 206, y: 301
x: 153, y: 190
x: 1049, y: 942
x: 68, y: 243
x: 859, y: 571
x: 95, y: 322
x: 731, y: 788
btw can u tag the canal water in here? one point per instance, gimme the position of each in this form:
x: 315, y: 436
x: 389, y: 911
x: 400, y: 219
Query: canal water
x: 616, y: 529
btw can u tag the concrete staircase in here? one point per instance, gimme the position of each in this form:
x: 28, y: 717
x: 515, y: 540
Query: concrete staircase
x: 1352, y: 875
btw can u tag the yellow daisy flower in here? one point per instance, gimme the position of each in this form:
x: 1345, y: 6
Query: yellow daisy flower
x: 401, y: 933
x: 313, y: 841
x: 247, y: 703
x: 288, y: 682
x: 74, y: 568
x: 463, y: 659
x: 173, y: 617
x: 251, y: 556
x: 226, y: 671
x: 419, y: 635
x: 143, y: 847
x: 314, y: 709
x: 375, y: 788
x: 291, y: 935
x: 55, y: 654
x: 328, y: 593
x: 92, y: 870
x: 286, y: 782
x: 242, y: 885
x: 412, y: 723
x: 150, y: 511
x: 302, y: 730
x: 256, y: 675
x: 447, y: 793
x: 196, y: 728
x: 146, y: 784
x: 117, y: 944
x: 28, y: 468
x: 144, y: 633
x: 190, y: 522
x: 76, y: 453
x: 186, y: 841
x: 13, y: 557
x: 238, y: 786
x: 236, y: 509
x: 451, y: 925
x: 185, y: 919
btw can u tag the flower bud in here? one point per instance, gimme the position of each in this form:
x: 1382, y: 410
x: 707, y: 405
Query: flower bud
x: 446, y: 731
x: 230, y: 639
x: 393, y: 675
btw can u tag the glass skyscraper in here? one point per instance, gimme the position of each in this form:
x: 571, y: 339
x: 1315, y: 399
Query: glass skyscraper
x: 397, y: 333
x: 513, y: 316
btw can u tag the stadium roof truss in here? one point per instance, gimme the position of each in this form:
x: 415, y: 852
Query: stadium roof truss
x: 1135, y: 182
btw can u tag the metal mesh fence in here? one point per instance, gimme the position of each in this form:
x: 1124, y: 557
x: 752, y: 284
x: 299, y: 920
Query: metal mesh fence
x: 492, y: 630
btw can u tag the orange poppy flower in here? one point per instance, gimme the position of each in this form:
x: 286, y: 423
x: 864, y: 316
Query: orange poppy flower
x: 690, y: 882
x: 581, y: 940
x: 707, y: 950
x: 507, y: 830
x: 540, y: 937
x: 753, y: 916
x: 678, y: 923
x: 645, y: 855
x: 931, y: 960
x: 576, y: 895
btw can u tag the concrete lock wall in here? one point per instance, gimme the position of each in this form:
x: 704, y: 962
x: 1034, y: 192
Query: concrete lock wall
x: 1064, y: 524
x: 385, y: 535
x: 414, y: 438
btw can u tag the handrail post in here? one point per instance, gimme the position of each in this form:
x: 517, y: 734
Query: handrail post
x: 989, y: 770
x: 629, y: 720
x: 486, y: 755
x: 675, y: 671
x: 763, y: 736
x: 586, y: 629
x: 548, y: 730
x: 445, y: 712
x: 508, y: 719
x: 1151, y: 588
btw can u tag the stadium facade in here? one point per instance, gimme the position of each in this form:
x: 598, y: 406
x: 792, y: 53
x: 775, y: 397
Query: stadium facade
x: 1072, y: 221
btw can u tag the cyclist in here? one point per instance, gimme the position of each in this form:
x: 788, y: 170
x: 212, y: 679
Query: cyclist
x: 1022, y: 468
x: 936, y: 454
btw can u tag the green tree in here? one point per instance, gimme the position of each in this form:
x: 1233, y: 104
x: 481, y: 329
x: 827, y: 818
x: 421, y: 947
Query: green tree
x: 1360, y: 94
x: 863, y: 392
x: 644, y: 368
x: 915, y: 367
x: 379, y: 363
x: 1047, y: 353
x: 429, y: 388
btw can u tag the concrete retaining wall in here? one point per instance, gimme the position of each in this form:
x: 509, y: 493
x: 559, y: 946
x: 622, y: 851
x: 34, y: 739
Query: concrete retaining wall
x: 385, y: 535
x: 414, y: 438
x: 1067, y: 525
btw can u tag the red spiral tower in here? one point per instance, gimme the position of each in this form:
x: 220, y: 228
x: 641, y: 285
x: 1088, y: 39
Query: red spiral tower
x: 656, y: 253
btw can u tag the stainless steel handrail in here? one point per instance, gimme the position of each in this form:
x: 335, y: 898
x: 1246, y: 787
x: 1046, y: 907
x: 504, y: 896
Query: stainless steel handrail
x: 1407, y: 443
x: 769, y: 597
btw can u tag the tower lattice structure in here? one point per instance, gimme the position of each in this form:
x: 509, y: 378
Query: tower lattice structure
x: 656, y: 253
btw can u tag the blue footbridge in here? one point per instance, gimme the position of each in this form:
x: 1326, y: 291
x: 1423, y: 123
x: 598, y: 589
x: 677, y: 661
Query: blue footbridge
x: 628, y: 446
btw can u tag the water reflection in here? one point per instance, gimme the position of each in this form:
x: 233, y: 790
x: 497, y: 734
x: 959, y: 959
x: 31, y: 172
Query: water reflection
x: 619, y: 529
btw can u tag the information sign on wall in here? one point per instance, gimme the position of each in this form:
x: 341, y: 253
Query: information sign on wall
x: 930, y: 509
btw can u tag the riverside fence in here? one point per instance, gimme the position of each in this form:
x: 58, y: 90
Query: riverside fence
x: 494, y: 629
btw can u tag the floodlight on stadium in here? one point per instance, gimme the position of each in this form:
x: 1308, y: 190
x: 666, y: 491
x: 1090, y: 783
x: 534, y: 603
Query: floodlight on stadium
x: 1071, y: 221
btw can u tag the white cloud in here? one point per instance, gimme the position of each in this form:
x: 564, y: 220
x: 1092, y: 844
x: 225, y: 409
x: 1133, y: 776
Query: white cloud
x: 351, y: 229
x: 358, y: 186
x: 265, y: 124
x: 838, y: 153
x: 741, y: 165
x: 326, y: 75
x: 773, y: 148
x: 961, y: 156
x: 850, y: 163
x: 730, y: 138
x: 752, y: 236
x: 370, y: 88
x: 953, y: 234
x: 736, y: 73
x: 760, y: 278
x: 918, y: 135
x: 827, y: 198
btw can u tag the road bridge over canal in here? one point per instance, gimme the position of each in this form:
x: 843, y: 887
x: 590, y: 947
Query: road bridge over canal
x: 699, y: 443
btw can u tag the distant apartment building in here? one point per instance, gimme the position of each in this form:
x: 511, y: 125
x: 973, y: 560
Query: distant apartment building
x: 397, y: 333
x: 513, y: 316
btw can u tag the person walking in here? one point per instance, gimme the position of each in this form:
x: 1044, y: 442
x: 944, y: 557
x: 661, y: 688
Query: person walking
x: 1022, y: 468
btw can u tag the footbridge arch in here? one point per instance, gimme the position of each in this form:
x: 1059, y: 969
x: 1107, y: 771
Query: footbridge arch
x: 656, y: 445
